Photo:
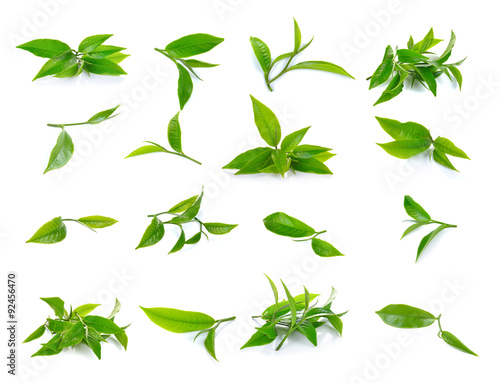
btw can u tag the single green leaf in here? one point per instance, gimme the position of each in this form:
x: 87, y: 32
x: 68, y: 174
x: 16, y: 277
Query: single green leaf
x: 180, y: 242
x: 428, y: 77
x: 184, y: 86
x: 308, y: 151
x: 258, y: 339
x: 283, y: 224
x: 291, y: 141
x: 97, y: 221
x: 297, y: 36
x: 102, y: 66
x: 449, y: 48
x: 61, y: 153
x: 217, y: 228
x: 403, y: 131
x: 262, y: 53
x: 442, y: 159
x: 117, y: 57
x: 414, y: 227
x: 190, y: 212
x: 36, y: 334
x: 104, y: 51
x: 183, y: 205
x: 414, y: 210
x: 324, y: 249
x: 58, y: 326
x: 404, y: 316
x: 73, y: 336
x: 146, y: 149
x: 336, y: 323
x: 323, y: 157
x: 258, y: 164
x: 102, y: 325
x: 410, y: 56
x: 320, y: 65
x: 199, y: 64
x: 178, y: 321
x: 291, y: 303
x: 210, y: 343
x: 310, y: 165
x: 426, y: 43
x: 405, y: 149
x: 174, y: 134
x: 92, y: 42
x: 194, y: 239
x: 267, y: 123
x: 122, y: 338
x: 51, y: 232
x: 456, y: 73
x: 45, y: 47
x: 49, y: 349
x: 275, y: 290
x: 384, y: 70
x: 448, y: 147
x: 244, y: 158
x: 281, y: 161
x: 85, y: 309
x: 429, y: 237
x: 192, y: 45
x: 307, y: 329
x: 452, y: 340
x: 93, y: 341
x: 153, y: 234
x: 116, y: 309
x: 394, y: 88
x: 57, y: 64
x: 73, y: 71
x: 102, y: 116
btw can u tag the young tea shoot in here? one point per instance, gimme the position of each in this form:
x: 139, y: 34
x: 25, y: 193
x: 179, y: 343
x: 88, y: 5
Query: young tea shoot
x: 91, y: 57
x: 55, y: 230
x: 294, y: 314
x: 412, y: 139
x: 421, y: 218
x: 404, y: 316
x: 415, y: 64
x: 179, y: 321
x: 283, y: 224
x: 268, y: 65
x: 183, y: 213
x: 77, y: 327
x: 64, y: 148
x: 180, y: 51
x: 279, y: 160
x: 174, y: 139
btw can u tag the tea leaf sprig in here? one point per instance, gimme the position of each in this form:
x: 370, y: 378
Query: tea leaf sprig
x: 412, y: 139
x: 55, y: 230
x: 179, y: 321
x: 417, y: 64
x: 283, y: 224
x: 263, y: 55
x: 64, y: 148
x: 174, y: 139
x: 75, y: 327
x: 421, y: 218
x: 184, y: 212
x: 404, y: 316
x: 91, y: 57
x: 179, y: 50
x: 289, y: 156
x: 295, y: 314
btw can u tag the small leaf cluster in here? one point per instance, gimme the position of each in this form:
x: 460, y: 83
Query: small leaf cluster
x: 185, y: 212
x: 77, y: 327
x: 180, y: 321
x: 421, y: 218
x: 404, y: 316
x: 91, y: 57
x: 294, y: 314
x: 282, y: 224
x: 417, y: 64
x: 412, y: 139
x: 179, y: 52
x: 64, y: 148
x: 174, y: 139
x: 55, y: 230
x: 263, y: 55
x: 289, y: 156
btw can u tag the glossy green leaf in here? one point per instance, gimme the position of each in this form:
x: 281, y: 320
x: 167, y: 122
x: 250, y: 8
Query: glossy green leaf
x: 153, y: 234
x: 199, y: 64
x: 217, y: 228
x: 122, y: 338
x: 262, y: 53
x: 50, y: 348
x: 117, y: 57
x: 72, y: 71
x: 174, y: 134
x: 51, y: 232
x: 58, y: 326
x: 183, y: 205
x: 36, y: 334
x: 297, y: 36
x: 405, y: 149
x: 394, y: 88
x: 180, y: 242
x: 322, y: 66
x: 283, y: 224
x: 448, y: 147
x: 442, y: 159
x: 336, y: 323
x: 449, y: 48
x: 104, y: 51
x: 194, y: 239
x: 452, y: 340
x: 291, y: 141
x: 61, y: 153
x: 93, y: 341
x: 102, y: 66
x: 190, y: 212
x: 281, y: 161
x: 414, y: 210
x: 429, y: 237
x: 92, y: 42
x: 258, y: 339
x: 426, y: 43
x: 178, y: 321
x: 256, y: 155
x: 404, y: 316
x: 307, y: 329
x: 456, y: 73
x: 267, y: 123
x: 45, y: 47
x: 310, y: 165
x: 210, y: 343
x: 146, y: 149
x: 192, y: 45
x: 308, y: 151
x: 102, y: 116
x: 324, y: 249
x: 403, y: 131
x: 291, y: 303
x: 116, y: 309
x: 410, y: 56
x: 428, y: 77
x: 414, y: 227
x: 102, y: 325
x: 73, y: 336
x: 384, y: 70
x: 97, y: 221
x: 85, y: 309
x: 57, y: 64
x: 184, y: 86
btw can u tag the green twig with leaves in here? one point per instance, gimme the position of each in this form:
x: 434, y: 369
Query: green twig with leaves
x: 64, y: 148
x: 294, y: 314
x: 75, y: 327
x: 404, y: 316
x: 412, y: 139
x: 184, y: 212
x: 416, y: 64
x: 422, y: 218
x: 263, y: 55
x: 283, y: 224
x: 174, y: 139
x: 289, y: 156
x: 179, y: 52
x: 91, y: 57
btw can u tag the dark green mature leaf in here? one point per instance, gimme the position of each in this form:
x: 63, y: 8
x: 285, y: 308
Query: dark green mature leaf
x: 394, y: 88
x: 210, y: 343
x: 452, y: 340
x: 174, y: 134
x: 153, y: 234
x: 192, y: 45
x: 322, y: 66
x: 61, y: 153
x: 414, y: 210
x: 217, y: 228
x: 190, y: 213
x: 184, y: 86
x: 324, y: 249
x: 429, y: 237
x: 448, y: 147
x: 97, y: 221
x: 384, y: 70
x: 51, y: 232
x: 102, y: 325
x: 404, y: 316
x: 73, y: 336
x: 92, y: 42
x: 307, y: 329
x: 183, y: 205
x: 102, y: 66
x: 442, y: 159
x: 405, y: 149
x: 36, y: 334
x: 310, y: 165
x: 404, y: 131
x: 262, y: 53
x: 180, y: 242
x: 456, y: 73
x: 178, y: 321
x: 45, y: 47
x: 146, y: 149
x: 283, y: 224
x: 308, y: 151
x: 102, y: 116
x: 410, y: 56
x: 291, y: 141
x: 267, y: 123
x: 281, y: 161
x: 57, y: 64
x: 428, y: 76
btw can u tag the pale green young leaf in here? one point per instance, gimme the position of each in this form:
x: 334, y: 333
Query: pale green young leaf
x: 291, y: 141
x: 242, y: 159
x: 180, y: 242
x: 297, y: 36
x: 92, y: 42
x: 103, y: 66
x: 410, y: 56
x: 442, y: 159
x: 199, y: 64
x: 291, y: 303
x: 178, y: 321
x: 51, y: 232
x: 104, y: 51
x: 210, y: 343
x: 183, y: 205
x: 146, y: 149
x: 448, y: 147
x: 102, y: 325
x: 456, y: 73
x: 192, y: 45
x: 217, y: 228
x: 429, y: 237
x: 308, y: 151
x: 103, y: 116
x: 324, y: 249
x: 36, y: 334
x: 281, y: 161
x: 267, y: 123
x: 322, y: 66
x: 153, y: 234
x: 85, y: 309
x: 262, y: 53
x: 190, y: 212
x: 97, y: 221
x: 57, y: 64
x: 174, y: 134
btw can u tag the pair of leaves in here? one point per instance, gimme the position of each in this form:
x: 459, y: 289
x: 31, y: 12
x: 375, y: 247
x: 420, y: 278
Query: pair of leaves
x: 412, y: 139
x: 404, y: 316
x: 180, y: 321
x: 179, y: 50
x: 70, y: 329
x: 55, y: 230
x: 417, y: 64
x: 297, y: 313
x: 184, y: 212
x: 282, y: 224
x: 92, y: 57
x: 263, y: 55
x: 421, y: 218
x: 174, y: 139
x: 63, y: 150
x: 289, y: 156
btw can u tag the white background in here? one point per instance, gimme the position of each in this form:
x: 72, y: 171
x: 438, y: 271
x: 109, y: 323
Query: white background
x: 361, y: 205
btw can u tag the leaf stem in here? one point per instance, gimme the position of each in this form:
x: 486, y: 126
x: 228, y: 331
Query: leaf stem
x: 63, y: 125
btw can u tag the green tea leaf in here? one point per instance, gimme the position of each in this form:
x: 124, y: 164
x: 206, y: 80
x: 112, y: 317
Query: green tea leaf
x: 297, y: 36
x: 410, y: 56
x: 448, y: 49
x: 262, y: 53
x: 261, y: 154
x: 102, y: 116
x: 414, y: 227
x: 291, y: 141
x: 73, y: 71
x: 283, y: 224
x: 146, y: 149
x: 429, y: 237
x: 97, y: 221
x: 102, y: 66
x: 174, y: 134
x: 180, y: 242
x: 414, y: 210
x: 192, y: 45
x: 45, y: 47
x: 394, y: 88
x: 258, y: 339
x: 336, y: 323
x: 58, y: 326
x: 308, y: 151
x: 291, y: 303
x: 92, y: 340
x: 92, y: 42
x: 307, y: 329
x: 190, y: 213
x: 194, y: 239
x: 403, y: 131
x: 117, y: 57
x: 452, y: 340
x: 36, y: 334
x: 116, y: 309
x: 61, y: 153
x: 448, y: 147
x: 218, y: 228
x: 456, y: 73
x: 102, y: 325
x: 281, y: 161
x: 442, y: 159
x: 73, y: 336
x: 404, y: 316
x: 85, y: 309
x: 199, y: 64
x: 184, y: 86
x: 57, y: 64
x: 50, y: 348
x: 210, y: 343
x: 426, y: 43
x: 183, y: 205
x: 324, y: 249
x: 51, y: 232
x: 384, y: 70
x: 267, y: 123
x: 405, y: 149
x: 153, y: 234
x: 122, y: 338
x: 322, y: 66
x: 104, y: 51
x: 310, y: 165
x: 178, y: 321
x: 428, y: 77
